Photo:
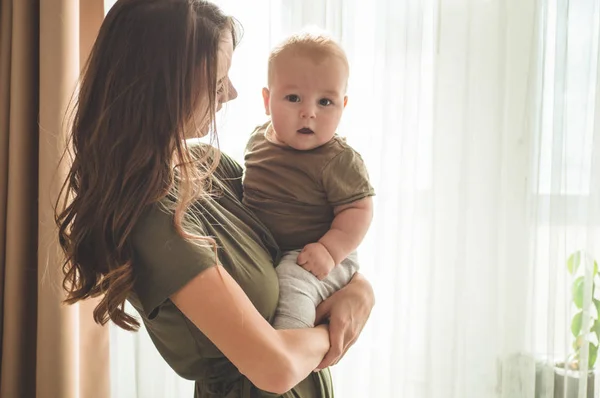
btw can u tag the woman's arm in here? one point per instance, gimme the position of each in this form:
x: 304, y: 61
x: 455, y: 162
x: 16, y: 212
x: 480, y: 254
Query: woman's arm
x: 273, y: 360
x: 347, y: 310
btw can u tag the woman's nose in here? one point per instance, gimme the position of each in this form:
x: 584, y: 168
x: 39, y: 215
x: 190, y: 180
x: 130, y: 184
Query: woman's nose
x: 232, y: 92
x: 229, y: 94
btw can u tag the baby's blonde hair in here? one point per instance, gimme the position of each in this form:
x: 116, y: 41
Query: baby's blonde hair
x: 310, y: 42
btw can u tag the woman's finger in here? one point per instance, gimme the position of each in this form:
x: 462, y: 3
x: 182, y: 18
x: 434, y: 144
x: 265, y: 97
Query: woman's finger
x: 323, y: 311
x: 346, y: 348
x: 336, y: 339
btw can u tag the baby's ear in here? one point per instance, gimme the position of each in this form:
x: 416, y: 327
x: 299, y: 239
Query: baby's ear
x: 266, y: 100
x: 345, y: 101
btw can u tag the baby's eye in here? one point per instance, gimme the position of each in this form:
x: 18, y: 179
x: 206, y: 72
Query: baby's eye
x: 325, y: 102
x: 292, y: 98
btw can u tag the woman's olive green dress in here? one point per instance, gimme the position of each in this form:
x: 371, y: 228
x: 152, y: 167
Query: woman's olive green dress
x: 164, y: 262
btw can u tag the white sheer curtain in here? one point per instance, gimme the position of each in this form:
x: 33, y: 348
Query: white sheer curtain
x: 479, y: 121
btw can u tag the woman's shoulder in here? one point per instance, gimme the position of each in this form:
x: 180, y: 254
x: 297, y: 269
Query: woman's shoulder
x: 227, y: 166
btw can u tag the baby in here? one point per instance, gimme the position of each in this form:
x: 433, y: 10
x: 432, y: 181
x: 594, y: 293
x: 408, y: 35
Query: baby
x: 303, y: 181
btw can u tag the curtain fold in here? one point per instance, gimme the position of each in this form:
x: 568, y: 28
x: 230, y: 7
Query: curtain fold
x: 48, y: 350
x: 20, y: 104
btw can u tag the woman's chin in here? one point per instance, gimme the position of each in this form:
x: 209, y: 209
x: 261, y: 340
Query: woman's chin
x: 204, y: 132
x: 197, y: 134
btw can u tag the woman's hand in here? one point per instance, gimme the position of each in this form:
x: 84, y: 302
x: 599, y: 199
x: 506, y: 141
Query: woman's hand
x: 348, y: 311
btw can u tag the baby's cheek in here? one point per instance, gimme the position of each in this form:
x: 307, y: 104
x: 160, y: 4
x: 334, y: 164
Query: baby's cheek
x: 280, y: 120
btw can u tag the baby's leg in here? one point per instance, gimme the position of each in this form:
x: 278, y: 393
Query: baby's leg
x: 298, y: 296
x: 300, y: 291
x: 339, y: 277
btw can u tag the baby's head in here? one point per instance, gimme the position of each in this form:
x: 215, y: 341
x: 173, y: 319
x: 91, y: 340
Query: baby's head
x: 308, y: 76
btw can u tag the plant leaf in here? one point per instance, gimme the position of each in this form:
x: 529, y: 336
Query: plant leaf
x: 576, y: 324
x: 597, y: 304
x: 595, y: 268
x: 596, y: 326
x: 593, y: 354
x: 573, y: 262
x: 596, y: 329
x: 578, y: 286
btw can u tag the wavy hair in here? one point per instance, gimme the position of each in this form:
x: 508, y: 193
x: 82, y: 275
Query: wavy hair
x: 151, y: 76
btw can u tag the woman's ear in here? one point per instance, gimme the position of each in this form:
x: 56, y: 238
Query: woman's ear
x: 345, y: 101
x: 266, y: 99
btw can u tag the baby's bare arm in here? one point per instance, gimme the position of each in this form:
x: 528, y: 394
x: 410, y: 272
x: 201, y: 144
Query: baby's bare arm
x: 348, y: 228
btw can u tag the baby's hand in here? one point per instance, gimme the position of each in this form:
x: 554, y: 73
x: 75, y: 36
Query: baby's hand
x: 316, y: 259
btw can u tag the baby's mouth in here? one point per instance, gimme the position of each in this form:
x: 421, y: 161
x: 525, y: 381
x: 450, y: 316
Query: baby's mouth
x: 305, y: 130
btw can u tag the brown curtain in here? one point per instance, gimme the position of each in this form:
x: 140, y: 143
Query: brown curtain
x: 47, y: 349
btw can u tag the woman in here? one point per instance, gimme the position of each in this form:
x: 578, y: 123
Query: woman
x: 154, y: 222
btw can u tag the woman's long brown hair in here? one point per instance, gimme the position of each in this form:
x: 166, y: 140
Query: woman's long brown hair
x: 150, y: 71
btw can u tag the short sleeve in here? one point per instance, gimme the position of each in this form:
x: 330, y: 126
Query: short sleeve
x: 345, y: 178
x: 164, y: 262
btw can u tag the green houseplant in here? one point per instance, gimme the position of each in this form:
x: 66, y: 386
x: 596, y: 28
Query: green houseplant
x: 592, y: 333
x: 585, y: 327
x: 562, y: 379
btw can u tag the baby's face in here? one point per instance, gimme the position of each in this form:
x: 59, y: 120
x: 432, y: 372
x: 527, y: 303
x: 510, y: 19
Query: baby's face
x: 306, y: 99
